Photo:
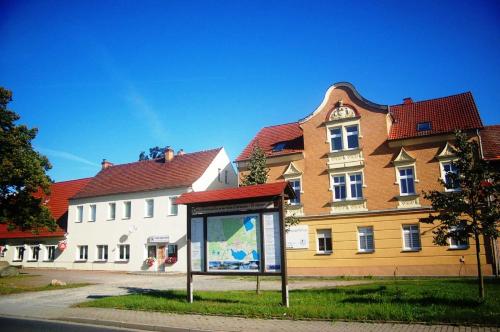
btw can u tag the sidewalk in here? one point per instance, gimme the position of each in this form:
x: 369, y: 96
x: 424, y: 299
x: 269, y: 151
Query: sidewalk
x: 155, y: 321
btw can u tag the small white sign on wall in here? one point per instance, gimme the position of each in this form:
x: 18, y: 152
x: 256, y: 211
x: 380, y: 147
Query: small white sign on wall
x: 298, y: 237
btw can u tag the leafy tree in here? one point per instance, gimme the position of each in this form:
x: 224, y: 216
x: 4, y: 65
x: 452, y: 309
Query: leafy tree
x: 154, y: 153
x: 473, y: 209
x: 23, y: 178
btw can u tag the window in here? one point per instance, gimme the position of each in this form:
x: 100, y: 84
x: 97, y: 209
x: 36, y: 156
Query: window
x: 339, y: 188
x: 365, y: 238
x: 296, y: 188
x: 102, y: 252
x: 124, y: 252
x: 406, y: 181
x: 127, y: 209
x: 324, y: 240
x: 411, y: 237
x: 350, y: 190
x: 92, y: 211
x: 457, y: 243
x: 344, y: 138
x: 50, y: 253
x: 446, y: 169
x: 172, y: 250
x: 225, y: 177
x: 336, y: 139
x: 19, y: 253
x: 352, y: 137
x: 149, y: 208
x: 79, y: 213
x: 218, y: 174
x: 82, y: 253
x: 279, y: 147
x: 152, y: 251
x: 424, y: 126
x: 173, y: 209
x: 35, y: 252
x: 111, y: 211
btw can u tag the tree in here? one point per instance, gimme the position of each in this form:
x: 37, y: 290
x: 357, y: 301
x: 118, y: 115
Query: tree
x: 154, y: 153
x: 473, y: 208
x: 23, y: 178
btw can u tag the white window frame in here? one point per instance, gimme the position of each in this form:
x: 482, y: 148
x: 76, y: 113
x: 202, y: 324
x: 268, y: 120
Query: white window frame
x: 362, y: 232
x: 330, y: 136
x: 323, y: 234
x: 16, y: 253
x: 79, y: 213
x: 171, y: 204
x: 105, y: 252
x: 415, y: 181
x: 299, y: 178
x: 46, y: 255
x: 125, y: 204
x: 411, y: 229
x: 347, y: 183
x: 147, y: 202
x: 443, y: 175
x: 79, y: 252
x: 226, y: 175
x: 347, y: 134
x: 118, y: 253
x: 219, y: 171
x: 343, y: 134
x: 455, y: 245
x: 92, y: 212
x: 31, y: 252
x: 111, y: 211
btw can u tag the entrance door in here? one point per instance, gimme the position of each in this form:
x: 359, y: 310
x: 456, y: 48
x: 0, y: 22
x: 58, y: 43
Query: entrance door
x: 152, y: 251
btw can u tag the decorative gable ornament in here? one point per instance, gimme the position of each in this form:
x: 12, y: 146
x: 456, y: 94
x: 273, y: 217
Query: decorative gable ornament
x: 342, y: 112
x: 403, y: 158
x: 292, y: 171
x: 447, y: 153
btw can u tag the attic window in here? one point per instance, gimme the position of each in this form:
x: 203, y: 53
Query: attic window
x: 279, y: 147
x: 424, y: 126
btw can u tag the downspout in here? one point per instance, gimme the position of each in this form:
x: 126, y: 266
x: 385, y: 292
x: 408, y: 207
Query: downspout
x: 494, y: 244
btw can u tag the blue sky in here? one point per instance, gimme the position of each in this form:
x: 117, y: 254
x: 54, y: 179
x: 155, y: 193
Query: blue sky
x: 108, y: 79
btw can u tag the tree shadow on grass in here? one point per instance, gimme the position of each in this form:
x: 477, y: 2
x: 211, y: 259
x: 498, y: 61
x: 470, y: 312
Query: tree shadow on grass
x: 342, y: 290
x: 423, y: 302
x: 172, y: 295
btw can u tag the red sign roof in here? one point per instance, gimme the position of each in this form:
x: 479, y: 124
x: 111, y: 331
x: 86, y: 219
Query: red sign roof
x: 147, y: 175
x: 444, y: 115
x: 241, y: 193
x: 57, y: 203
x: 276, y: 140
x: 490, y: 137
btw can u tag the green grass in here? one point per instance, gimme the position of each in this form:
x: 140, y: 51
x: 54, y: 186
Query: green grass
x: 434, y: 301
x: 18, y: 284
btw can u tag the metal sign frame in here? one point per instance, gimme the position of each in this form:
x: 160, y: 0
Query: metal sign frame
x: 278, y: 207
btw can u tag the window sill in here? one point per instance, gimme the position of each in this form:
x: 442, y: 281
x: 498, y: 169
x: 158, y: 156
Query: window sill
x: 125, y: 218
x: 90, y: 220
x: 412, y: 250
x: 122, y: 261
x: 110, y: 219
x: 101, y: 261
x: 17, y: 260
x: 80, y: 261
x: 334, y: 152
x: 172, y: 215
x: 366, y: 252
x: 148, y: 217
x: 325, y: 253
x: 48, y: 260
x: 403, y: 196
x: 458, y: 248
x: 32, y: 260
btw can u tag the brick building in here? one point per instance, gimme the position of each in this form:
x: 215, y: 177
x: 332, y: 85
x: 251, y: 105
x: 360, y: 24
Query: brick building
x: 359, y: 169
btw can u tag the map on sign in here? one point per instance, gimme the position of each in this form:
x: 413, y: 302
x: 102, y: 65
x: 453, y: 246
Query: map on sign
x: 233, y: 243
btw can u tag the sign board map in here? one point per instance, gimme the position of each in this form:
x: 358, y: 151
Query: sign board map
x: 233, y: 243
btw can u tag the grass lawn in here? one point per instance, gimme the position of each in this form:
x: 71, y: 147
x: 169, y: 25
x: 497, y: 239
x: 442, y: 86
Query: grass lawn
x: 20, y: 284
x: 422, y: 300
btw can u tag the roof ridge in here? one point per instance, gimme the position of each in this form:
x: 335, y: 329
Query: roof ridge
x: 86, y: 178
x: 433, y: 99
x: 283, y: 124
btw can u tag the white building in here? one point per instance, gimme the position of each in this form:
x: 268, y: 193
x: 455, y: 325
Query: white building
x: 126, y: 215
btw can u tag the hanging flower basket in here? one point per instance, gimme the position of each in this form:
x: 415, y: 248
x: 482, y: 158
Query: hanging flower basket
x: 150, y: 261
x: 62, y: 245
x: 171, y: 260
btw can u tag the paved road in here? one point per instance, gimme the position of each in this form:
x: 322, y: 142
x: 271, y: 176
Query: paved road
x: 31, y: 325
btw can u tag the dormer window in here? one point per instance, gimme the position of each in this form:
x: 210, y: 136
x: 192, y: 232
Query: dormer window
x: 424, y: 126
x: 279, y: 147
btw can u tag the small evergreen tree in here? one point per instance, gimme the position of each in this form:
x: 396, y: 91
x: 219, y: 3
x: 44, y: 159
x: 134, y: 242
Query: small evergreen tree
x: 257, y: 169
x: 473, y: 209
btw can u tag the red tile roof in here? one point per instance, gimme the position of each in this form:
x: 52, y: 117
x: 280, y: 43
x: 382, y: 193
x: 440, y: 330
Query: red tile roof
x: 445, y: 115
x: 241, y: 193
x: 57, y: 202
x: 290, y: 134
x: 490, y: 139
x: 147, y: 175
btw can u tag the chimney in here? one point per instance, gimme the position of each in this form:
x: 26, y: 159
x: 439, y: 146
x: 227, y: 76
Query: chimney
x: 407, y: 100
x: 105, y: 164
x: 169, y: 154
x: 180, y: 152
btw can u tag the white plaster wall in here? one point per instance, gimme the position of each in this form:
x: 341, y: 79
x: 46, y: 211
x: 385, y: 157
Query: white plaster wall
x: 210, y: 178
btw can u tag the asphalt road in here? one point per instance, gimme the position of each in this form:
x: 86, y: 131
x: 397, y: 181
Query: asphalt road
x: 8, y: 324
